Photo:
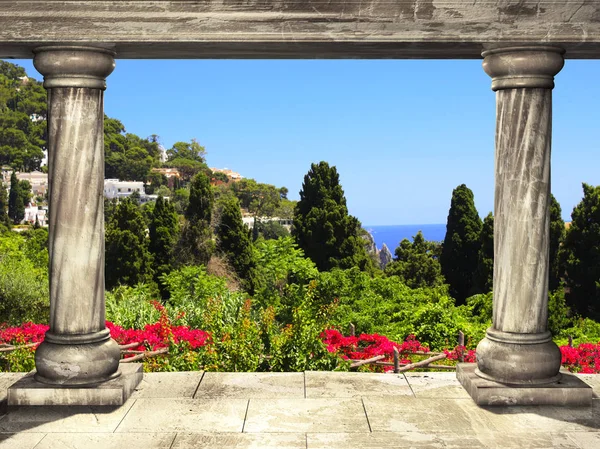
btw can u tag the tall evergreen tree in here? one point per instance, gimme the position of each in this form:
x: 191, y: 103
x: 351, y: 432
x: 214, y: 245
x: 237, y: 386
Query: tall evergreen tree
x: 196, y: 244
x: 233, y: 239
x: 16, y: 208
x: 163, y: 230
x: 460, y: 252
x: 4, y: 219
x: 322, y: 227
x: 128, y: 260
x: 557, y: 235
x: 581, y: 255
x: 485, y: 268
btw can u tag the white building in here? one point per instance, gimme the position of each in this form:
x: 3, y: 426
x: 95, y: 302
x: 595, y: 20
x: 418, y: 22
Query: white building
x: 113, y: 188
x: 32, y: 211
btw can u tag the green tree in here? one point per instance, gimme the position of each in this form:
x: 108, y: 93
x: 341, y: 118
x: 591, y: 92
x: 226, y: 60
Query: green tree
x: 128, y: 260
x: 322, y: 227
x: 16, y: 208
x: 461, y: 245
x: 485, y: 266
x: 196, y: 244
x: 4, y: 218
x: 233, y: 240
x: 417, y: 263
x: 581, y: 255
x: 163, y: 230
x: 557, y: 235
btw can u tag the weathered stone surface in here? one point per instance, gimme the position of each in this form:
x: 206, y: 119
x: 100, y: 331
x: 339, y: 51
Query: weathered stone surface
x: 251, y: 385
x: 185, y: 415
x: 306, y: 415
x: 20, y: 440
x: 436, y: 385
x: 330, y: 384
x: 586, y: 440
x: 107, y: 441
x: 114, y: 392
x: 168, y: 385
x: 6, y: 380
x: 568, y: 391
x: 82, y: 419
x: 593, y: 380
x: 300, y: 28
x: 240, y: 441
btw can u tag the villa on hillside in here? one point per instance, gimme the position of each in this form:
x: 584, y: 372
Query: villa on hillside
x: 170, y: 173
x: 114, y: 188
x: 233, y: 176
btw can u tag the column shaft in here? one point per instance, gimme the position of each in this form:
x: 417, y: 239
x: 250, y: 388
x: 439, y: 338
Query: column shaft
x: 518, y: 349
x: 77, y: 350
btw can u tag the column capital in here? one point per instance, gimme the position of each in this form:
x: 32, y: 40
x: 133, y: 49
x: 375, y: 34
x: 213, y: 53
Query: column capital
x: 526, y: 66
x: 74, y: 66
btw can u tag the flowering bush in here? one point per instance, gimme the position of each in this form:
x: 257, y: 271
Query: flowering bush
x: 584, y: 358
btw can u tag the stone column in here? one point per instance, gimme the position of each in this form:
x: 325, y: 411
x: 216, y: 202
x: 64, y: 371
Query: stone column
x: 77, y: 349
x: 518, y: 348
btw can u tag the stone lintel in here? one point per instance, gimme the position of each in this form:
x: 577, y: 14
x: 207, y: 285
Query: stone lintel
x: 300, y: 28
x: 27, y: 391
x: 568, y: 391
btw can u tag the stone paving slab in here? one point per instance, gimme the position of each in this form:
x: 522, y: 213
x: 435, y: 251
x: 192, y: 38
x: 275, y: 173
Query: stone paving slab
x: 251, y: 385
x: 241, y: 441
x: 185, y: 415
x: 409, y: 414
x: 64, y: 419
x: 424, y: 440
x: 436, y: 385
x: 106, y: 441
x: 20, y: 440
x: 168, y: 385
x: 593, y: 380
x: 586, y: 440
x: 331, y: 384
x: 306, y: 415
x: 6, y: 380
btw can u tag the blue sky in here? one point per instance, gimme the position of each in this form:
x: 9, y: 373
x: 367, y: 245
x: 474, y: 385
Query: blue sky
x: 402, y: 134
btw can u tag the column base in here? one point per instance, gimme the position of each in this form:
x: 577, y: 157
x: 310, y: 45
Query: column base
x: 28, y: 391
x: 77, y: 360
x: 568, y: 391
x: 518, y: 359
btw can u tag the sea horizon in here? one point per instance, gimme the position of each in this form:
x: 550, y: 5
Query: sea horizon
x: 392, y: 235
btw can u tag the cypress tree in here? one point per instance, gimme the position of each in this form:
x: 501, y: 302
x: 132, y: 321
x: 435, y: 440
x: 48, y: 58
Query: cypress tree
x: 581, y: 255
x: 196, y: 244
x: 322, y: 227
x: 16, y: 208
x: 485, y: 269
x: 4, y: 219
x: 128, y: 260
x: 234, y: 241
x: 163, y: 230
x: 557, y: 235
x: 460, y: 252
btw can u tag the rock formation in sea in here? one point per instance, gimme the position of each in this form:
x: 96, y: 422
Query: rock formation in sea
x: 385, y: 256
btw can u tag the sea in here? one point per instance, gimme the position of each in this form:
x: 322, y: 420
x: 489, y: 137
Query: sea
x: 392, y: 235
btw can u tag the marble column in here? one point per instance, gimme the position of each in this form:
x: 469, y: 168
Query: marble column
x: 77, y: 349
x: 518, y: 348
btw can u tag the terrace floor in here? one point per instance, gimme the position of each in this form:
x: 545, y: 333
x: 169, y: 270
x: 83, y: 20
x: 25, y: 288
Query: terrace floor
x: 300, y: 410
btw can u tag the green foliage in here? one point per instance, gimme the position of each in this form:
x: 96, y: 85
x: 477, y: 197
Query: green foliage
x: 4, y: 218
x: 128, y: 260
x: 271, y: 230
x: 201, y: 200
x: 24, y: 288
x: 163, y: 230
x: 187, y: 158
x: 559, y: 314
x: 233, y: 240
x: 127, y: 156
x: 485, y: 265
x: 417, y: 263
x: 557, y: 235
x: 130, y: 307
x: 324, y: 230
x: 581, y: 255
x: 16, y: 207
x: 460, y: 251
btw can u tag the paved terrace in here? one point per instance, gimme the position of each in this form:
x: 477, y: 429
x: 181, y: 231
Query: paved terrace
x: 300, y: 410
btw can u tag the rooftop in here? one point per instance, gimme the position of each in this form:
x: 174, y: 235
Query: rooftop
x: 300, y: 410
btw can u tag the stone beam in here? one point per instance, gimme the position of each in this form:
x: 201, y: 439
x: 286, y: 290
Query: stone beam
x: 419, y: 29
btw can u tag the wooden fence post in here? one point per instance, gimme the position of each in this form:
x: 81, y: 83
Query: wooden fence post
x: 352, y: 330
x: 396, y: 360
x: 570, y: 341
